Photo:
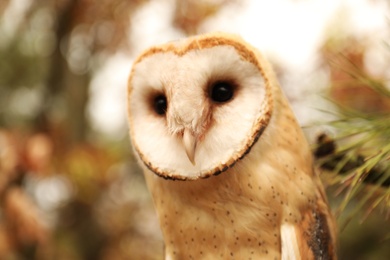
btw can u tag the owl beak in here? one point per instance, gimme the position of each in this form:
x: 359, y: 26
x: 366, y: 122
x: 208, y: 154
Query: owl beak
x: 189, y: 141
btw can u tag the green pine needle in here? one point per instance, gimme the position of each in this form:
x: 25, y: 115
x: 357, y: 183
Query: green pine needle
x: 360, y: 162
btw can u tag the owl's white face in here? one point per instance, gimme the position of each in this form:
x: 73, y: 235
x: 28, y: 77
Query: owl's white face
x: 196, y: 108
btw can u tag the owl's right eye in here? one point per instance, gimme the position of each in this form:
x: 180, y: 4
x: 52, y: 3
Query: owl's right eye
x: 160, y: 104
x: 222, y: 91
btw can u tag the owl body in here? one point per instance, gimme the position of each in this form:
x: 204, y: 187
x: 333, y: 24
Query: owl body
x: 229, y: 169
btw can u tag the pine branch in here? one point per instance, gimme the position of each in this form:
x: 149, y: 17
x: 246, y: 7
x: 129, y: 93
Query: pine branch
x: 330, y: 159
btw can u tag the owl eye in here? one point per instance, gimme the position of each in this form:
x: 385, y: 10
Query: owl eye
x: 222, y: 91
x: 160, y: 104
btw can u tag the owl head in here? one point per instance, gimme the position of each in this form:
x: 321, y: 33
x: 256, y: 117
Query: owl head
x: 197, y: 106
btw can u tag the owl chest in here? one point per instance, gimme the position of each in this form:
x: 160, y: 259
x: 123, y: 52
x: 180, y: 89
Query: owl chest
x: 227, y: 222
x: 220, y: 231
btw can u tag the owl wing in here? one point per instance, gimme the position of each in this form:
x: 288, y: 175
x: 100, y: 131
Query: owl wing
x: 312, y: 238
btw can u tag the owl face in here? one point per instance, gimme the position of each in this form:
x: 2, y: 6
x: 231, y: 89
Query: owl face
x: 197, y: 106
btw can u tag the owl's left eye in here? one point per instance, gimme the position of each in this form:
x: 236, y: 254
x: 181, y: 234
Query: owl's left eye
x: 160, y: 104
x: 222, y: 91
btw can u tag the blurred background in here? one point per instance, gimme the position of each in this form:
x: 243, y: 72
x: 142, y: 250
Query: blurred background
x: 69, y: 185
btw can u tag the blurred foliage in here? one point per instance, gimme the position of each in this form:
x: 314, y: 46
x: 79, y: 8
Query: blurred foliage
x: 66, y: 191
x: 190, y: 14
x: 356, y: 157
x: 48, y: 59
x: 362, y: 127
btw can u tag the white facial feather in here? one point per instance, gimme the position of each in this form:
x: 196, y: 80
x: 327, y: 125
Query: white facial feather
x: 185, y: 80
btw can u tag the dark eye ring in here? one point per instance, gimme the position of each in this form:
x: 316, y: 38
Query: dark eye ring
x: 222, y: 91
x: 160, y: 104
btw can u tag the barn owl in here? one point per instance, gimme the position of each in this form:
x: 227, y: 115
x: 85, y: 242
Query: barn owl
x: 230, y: 172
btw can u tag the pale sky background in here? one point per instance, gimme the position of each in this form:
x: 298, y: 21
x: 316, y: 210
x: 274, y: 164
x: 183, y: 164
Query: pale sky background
x: 287, y: 32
